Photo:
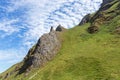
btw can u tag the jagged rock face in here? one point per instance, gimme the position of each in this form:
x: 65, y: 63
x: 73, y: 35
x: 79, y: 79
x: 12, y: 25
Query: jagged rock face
x: 104, y: 15
x: 60, y: 28
x: 104, y: 6
x: 51, y: 29
x: 107, y: 4
x: 48, y: 45
x: 46, y: 48
x: 106, y: 1
x: 85, y: 19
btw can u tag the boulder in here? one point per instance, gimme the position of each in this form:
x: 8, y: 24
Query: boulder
x: 93, y: 29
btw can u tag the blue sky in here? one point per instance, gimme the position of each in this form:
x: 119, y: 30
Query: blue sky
x: 22, y: 22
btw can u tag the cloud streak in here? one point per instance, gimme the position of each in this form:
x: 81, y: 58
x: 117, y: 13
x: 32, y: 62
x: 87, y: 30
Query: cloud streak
x: 7, y: 27
x: 10, y: 57
x: 51, y: 13
x: 11, y: 54
x: 39, y: 15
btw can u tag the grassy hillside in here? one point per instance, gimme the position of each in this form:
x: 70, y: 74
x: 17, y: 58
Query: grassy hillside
x: 84, y: 56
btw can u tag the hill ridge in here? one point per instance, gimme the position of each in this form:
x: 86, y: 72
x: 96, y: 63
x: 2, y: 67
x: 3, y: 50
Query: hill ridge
x: 80, y: 55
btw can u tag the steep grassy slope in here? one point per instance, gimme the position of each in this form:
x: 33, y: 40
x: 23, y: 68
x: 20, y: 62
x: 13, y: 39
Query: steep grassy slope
x: 85, y: 56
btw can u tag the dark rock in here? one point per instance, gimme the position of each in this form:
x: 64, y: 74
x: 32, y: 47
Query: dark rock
x: 45, y: 50
x: 93, y: 29
x: 6, y: 76
x: 10, y: 73
x: 60, y: 28
x: 85, y: 19
x: 102, y: 16
x: 117, y: 30
x: 51, y: 29
x: 106, y: 2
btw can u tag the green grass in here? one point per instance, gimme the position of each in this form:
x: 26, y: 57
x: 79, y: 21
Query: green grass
x: 83, y: 56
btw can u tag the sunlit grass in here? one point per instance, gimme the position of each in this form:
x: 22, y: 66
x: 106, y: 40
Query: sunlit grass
x: 83, y: 56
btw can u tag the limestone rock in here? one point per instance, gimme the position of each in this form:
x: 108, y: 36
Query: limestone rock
x: 45, y: 50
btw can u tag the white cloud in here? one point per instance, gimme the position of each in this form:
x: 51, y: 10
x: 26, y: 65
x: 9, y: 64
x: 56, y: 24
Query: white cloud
x: 11, y: 54
x: 42, y: 14
x: 7, y: 27
x: 51, y: 13
x: 10, y: 57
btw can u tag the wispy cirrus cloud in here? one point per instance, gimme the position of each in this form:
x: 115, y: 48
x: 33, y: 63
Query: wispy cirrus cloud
x: 42, y: 15
x: 7, y: 27
x: 38, y: 16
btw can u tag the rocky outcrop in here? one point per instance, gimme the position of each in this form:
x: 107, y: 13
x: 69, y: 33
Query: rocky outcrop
x: 105, y: 2
x: 93, y: 29
x: 45, y: 50
x: 85, y: 19
x: 51, y: 29
x: 104, y: 6
x: 60, y: 28
x: 105, y: 14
